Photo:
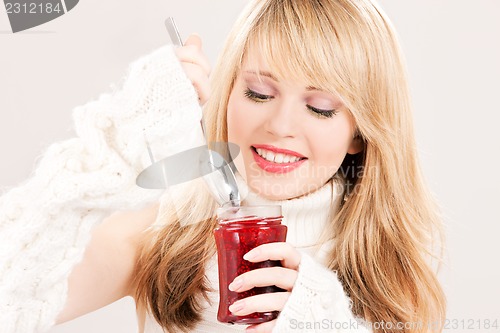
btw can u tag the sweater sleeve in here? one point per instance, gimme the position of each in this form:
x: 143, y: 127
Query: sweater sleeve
x: 317, y: 303
x: 45, y: 223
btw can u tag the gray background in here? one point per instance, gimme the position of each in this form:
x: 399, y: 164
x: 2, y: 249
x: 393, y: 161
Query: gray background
x: 453, y: 54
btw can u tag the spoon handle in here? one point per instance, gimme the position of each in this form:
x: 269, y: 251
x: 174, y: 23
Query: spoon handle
x: 173, y: 32
x: 218, y: 176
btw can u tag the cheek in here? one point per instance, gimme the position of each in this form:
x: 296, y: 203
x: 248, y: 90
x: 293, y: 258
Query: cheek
x: 238, y: 131
x: 330, y: 145
x: 243, y: 121
x: 234, y: 121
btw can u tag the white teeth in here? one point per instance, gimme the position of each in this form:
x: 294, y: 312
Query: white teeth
x: 276, y: 158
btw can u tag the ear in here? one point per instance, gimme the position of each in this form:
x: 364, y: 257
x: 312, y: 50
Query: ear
x: 357, y: 145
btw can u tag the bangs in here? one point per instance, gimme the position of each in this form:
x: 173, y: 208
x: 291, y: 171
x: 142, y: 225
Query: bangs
x: 296, y: 50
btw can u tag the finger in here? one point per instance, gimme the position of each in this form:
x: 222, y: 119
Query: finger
x: 266, y: 327
x: 280, y: 277
x: 199, y: 80
x: 289, y: 256
x: 195, y: 40
x: 260, y: 303
x: 192, y: 52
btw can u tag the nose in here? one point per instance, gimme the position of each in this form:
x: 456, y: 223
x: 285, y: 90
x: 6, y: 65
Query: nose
x: 282, y: 120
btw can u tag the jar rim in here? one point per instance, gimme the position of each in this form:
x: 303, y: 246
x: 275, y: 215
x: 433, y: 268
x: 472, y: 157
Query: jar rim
x: 266, y: 211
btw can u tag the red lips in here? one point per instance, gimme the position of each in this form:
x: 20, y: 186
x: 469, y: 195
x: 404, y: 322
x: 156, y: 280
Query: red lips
x: 279, y: 150
x: 277, y: 167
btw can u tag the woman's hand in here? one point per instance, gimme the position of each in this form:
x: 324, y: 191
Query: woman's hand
x: 195, y: 65
x: 282, y: 277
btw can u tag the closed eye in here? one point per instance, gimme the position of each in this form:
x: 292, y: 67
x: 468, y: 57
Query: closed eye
x: 320, y: 113
x: 257, y: 97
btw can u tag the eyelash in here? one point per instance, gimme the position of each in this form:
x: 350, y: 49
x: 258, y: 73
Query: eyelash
x: 261, y: 98
x: 322, y: 113
x: 256, y: 97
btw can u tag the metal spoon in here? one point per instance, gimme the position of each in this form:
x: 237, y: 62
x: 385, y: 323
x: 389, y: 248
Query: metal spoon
x: 217, y: 172
x: 201, y: 161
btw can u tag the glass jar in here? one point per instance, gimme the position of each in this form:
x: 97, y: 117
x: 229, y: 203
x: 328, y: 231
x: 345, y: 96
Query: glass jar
x: 241, y: 229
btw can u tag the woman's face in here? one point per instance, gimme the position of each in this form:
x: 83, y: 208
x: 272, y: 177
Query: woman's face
x: 293, y: 138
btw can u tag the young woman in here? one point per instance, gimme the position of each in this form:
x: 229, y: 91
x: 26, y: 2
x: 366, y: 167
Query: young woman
x: 315, y: 95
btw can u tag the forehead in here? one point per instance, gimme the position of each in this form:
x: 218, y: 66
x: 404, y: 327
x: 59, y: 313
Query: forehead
x: 284, y: 62
x: 254, y: 62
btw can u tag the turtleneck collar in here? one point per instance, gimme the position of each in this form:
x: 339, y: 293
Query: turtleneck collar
x: 307, y: 216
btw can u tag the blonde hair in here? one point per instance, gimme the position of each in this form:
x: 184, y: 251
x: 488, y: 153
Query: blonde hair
x: 384, y: 231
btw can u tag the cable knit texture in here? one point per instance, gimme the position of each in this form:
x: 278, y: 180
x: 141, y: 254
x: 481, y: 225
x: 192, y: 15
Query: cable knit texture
x: 317, y: 303
x: 46, y: 222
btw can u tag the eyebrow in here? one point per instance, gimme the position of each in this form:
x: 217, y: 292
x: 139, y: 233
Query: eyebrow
x: 310, y: 88
x: 271, y: 76
x: 267, y: 74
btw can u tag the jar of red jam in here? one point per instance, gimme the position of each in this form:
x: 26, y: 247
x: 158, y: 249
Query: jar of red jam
x: 241, y: 229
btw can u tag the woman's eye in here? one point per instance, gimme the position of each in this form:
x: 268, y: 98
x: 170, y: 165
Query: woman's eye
x: 320, y: 113
x: 257, y: 97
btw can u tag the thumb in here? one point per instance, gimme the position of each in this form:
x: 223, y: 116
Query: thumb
x: 194, y: 40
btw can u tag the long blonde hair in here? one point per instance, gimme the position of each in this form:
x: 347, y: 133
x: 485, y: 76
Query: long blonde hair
x: 383, y: 232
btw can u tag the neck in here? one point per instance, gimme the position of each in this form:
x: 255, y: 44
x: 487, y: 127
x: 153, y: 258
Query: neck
x: 307, y: 216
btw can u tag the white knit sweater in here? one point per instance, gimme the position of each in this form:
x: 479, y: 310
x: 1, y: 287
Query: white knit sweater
x: 45, y: 223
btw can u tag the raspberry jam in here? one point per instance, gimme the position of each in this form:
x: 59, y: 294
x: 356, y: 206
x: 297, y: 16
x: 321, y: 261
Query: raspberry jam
x: 241, y: 229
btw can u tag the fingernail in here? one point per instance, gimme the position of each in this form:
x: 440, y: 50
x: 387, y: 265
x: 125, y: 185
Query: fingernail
x: 237, y: 306
x: 236, y: 284
x: 251, y: 255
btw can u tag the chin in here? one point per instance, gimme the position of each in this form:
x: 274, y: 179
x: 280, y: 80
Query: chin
x: 273, y: 187
x: 274, y: 190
